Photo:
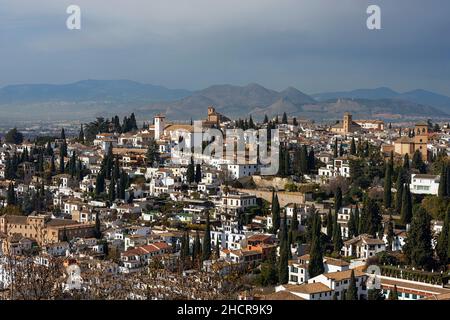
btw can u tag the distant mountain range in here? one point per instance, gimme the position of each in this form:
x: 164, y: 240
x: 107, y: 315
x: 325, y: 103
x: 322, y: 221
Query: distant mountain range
x: 419, y: 96
x: 89, y: 98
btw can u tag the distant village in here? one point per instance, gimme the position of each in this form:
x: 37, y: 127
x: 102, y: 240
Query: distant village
x: 359, y: 210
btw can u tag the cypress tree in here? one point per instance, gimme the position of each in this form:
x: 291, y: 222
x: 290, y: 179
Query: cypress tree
x: 217, y: 250
x: 295, y: 223
x: 406, y: 212
x: 283, y: 272
x: 393, y: 294
x: 284, y: 119
x: 353, y: 147
x: 335, y: 148
x: 418, y: 243
x: 98, y: 232
x: 11, y: 199
x: 81, y: 135
x: 352, y: 229
x: 73, y: 165
x: 190, y: 173
x: 443, y: 182
x: 406, y: 162
x: 198, y: 173
x: 443, y: 245
x: 448, y: 181
x: 338, y: 200
x: 356, y: 215
x: 311, y: 160
x: 315, y: 266
x: 352, y: 291
x: 100, y: 183
x: 330, y: 223
x: 61, y: 163
x: 388, y: 184
x: 390, y: 234
x: 275, y: 213
x: 399, y: 187
x: 52, y: 165
x: 337, y: 237
x: 304, y: 160
x: 112, y: 190
x: 417, y: 163
x: 207, y: 240
x: 197, y: 251
x: 266, y: 119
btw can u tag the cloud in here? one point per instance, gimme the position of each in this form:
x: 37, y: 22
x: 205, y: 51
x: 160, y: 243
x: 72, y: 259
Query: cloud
x: 312, y: 44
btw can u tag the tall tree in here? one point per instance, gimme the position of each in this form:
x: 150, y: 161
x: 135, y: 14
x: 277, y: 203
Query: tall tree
x: 417, y: 162
x: 311, y: 160
x: 304, y: 159
x: 393, y: 294
x: 61, y: 163
x: 275, y: 213
x: 442, y: 192
x: 283, y: 272
x: 388, y: 184
x: 112, y: 190
x: 98, y: 231
x: 11, y: 199
x: 353, y: 147
x: 352, y: 227
x: 207, y: 240
x: 399, y: 188
x: 390, y: 234
x: 406, y: 162
x: 152, y: 154
x: 356, y: 216
x: 198, y: 173
x: 52, y: 165
x: 81, y: 135
x: 190, y: 173
x: 315, y: 266
x: 14, y: 136
x: 443, y: 244
x: 293, y: 228
x: 100, y: 183
x: 338, y: 200
x: 284, y: 119
x: 337, y: 236
x: 406, y: 212
x: 197, y: 251
x: 418, y: 243
x: 335, y: 150
x: 352, y: 291
x: 330, y: 223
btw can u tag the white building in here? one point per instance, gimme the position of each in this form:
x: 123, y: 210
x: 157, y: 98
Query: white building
x: 338, y: 167
x: 424, y: 184
x: 237, y: 171
x: 363, y: 246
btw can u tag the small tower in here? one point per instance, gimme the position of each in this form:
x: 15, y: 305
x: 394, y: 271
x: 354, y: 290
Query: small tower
x: 159, y: 126
x: 421, y: 139
x: 347, y: 125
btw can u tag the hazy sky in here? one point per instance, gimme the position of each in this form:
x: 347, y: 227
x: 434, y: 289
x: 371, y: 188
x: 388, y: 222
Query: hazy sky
x: 314, y: 45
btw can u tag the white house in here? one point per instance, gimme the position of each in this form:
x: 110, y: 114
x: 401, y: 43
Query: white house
x: 338, y: 167
x: 363, y: 246
x: 424, y: 184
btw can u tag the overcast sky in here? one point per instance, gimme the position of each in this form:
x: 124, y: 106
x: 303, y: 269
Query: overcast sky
x: 314, y: 45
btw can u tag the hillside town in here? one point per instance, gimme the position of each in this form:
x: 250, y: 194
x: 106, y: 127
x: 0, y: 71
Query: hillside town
x: 138, y: 209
